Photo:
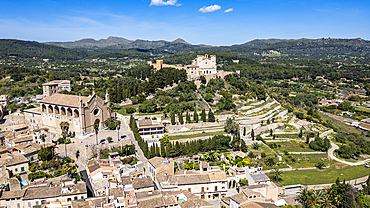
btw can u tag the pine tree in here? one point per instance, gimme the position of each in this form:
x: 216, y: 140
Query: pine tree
x: 203, y: 115
x: 187, y: 117
x: 181, y: 118
x: 211, y: 116
x: 173, y: 122
x: 196, y: 118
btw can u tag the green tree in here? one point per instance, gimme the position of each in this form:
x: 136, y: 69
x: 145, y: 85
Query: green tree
x: 181, y: 118
x: 278, y: 174
x: 173, y: 122
x: 64, y: 127
x: 211, y: 116
x: 187, y: 117
x: 244, y: 131
x: 203, y: 115
x: 196, y: 118
x: 252, y: 134
x: 96, y: 129
x: 43, y: 139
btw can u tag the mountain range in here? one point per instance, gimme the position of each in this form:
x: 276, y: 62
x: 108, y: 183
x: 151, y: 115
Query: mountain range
x: 118, y: 43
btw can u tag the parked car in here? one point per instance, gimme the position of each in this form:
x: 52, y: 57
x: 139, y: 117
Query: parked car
x: 367, y: 165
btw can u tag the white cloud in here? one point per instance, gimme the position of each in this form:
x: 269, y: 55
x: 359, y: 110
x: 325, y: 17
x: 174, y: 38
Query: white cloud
x: 211, y: 8
x: 228, y: 10
x: 164, y: 3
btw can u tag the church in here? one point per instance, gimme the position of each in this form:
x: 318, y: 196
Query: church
x: 80, y: 112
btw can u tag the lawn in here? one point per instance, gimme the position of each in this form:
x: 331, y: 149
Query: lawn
x: 292, y: 146
x: 196, y: 135
x: 261, y: 149
x: 311, y: 177
x: 304, y: 161
x: 290, y: 136
x: 278, y: 166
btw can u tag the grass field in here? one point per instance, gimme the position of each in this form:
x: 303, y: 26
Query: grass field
x: 290, y: 136
x: 197, y: 135
x: 340, y: 126
x: 293, y: 146
x: 359, y: 109
x: 264, y: 149
x: 304, y: 161
x: 311, y: 177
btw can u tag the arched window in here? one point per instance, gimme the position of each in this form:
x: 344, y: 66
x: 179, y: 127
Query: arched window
x: 50, y: 109
x: 69, y: 112
x: 76, y: 114
x: 43, y: 108
x: 56, y: 110
x: 63, y: 111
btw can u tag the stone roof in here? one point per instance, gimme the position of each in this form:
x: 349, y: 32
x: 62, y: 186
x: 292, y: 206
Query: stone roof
x: 22, y: 138
x: 158, y: 161
x: 18, y: 126
x: 93, y: 166
x: 3, y: 148
x: 12, y: 194
x: 28, y: 148
x: 116, y: 192
x: 42, y: 192
x: 252, y: 204
x: 6, y: 134
x: 126, y: 180
x: 47, y: 192
x: 139, y: 183
x: 192, y: 179
x: 148, y: 123
x: 65, y: 100
x: 13, y: 181
x: 14, y: 159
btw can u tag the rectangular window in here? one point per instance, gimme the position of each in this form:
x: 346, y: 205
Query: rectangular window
x: 22, y: 169
x: 16, y: 170
x: 29, y: 204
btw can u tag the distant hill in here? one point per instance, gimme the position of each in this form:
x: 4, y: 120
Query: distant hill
x: 29, y: 49
x: 117, y: 43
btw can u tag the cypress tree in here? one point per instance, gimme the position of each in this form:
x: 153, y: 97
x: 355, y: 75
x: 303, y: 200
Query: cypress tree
x: 181, y: 118
x: 244, y: 131
x: 211, y: 116
x: 173, y: 122
x: 252, y: 134
x: 157, y: 151
x: 196, y: 118
x: 187, y: 117
x: 163, y: 150
x: 203, y: 115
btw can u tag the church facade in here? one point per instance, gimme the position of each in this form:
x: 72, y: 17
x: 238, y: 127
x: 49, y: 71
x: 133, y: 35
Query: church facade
x: 80, y: 112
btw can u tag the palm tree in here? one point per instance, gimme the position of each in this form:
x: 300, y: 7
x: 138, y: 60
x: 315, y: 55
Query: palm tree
x: 42, y: 137
x: 96, y: 128
x: 316, y: 198
x: 326, y: 202
x: 65, y: 127
x: 277, y: 174
x: 304, y: 196
x: 126, y: 148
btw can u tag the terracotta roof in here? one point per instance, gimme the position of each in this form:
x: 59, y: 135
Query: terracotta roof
x: 18, y: 126
x: 65, y: 100
x: 93, y: 166
x: 12, y: 194
x: 192, y: 179
x: 2, y: 148
x: 42, y: 192
x: 139, y: 183
x: 13, y: 181
x: 217, y: 176
x: 126, y: 180
x: 116, y: 192
x: 6, y: 134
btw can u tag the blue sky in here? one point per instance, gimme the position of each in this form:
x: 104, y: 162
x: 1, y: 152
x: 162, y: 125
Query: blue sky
x: 214, y: 22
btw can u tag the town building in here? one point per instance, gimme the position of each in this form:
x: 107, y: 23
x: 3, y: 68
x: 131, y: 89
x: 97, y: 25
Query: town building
x: 177, y: 199
x: 80, y: 112
x: 159, y: 164
x: 15, y: 163
x: 206, y: 185
x: 149, y: 129
x: 55, y: 86
x: 142, y: 184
